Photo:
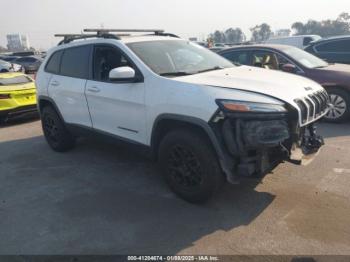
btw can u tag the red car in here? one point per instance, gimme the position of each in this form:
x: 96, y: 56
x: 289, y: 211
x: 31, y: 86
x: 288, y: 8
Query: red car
x: 335, y: 78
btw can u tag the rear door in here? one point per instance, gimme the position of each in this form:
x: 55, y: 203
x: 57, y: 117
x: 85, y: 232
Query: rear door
x: 67, y: 86
x: 116, y: 107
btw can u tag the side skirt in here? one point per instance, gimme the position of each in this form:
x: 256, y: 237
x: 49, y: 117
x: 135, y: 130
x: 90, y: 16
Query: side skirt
x: 83, y: 131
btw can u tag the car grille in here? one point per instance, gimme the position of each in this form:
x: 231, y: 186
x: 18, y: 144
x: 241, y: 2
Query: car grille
x: 312, y: 106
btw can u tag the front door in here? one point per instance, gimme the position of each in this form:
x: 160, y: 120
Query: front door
x: 116, y: 107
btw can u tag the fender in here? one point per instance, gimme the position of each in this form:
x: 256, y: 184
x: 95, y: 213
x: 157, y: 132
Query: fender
x: 51, y: 102
x: 226, y: 162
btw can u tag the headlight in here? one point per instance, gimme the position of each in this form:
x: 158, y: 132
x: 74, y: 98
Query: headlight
x: 249, y: 107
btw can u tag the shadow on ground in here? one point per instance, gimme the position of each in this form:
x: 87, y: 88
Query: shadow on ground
x: 99, y: 199
x: 22, y: 119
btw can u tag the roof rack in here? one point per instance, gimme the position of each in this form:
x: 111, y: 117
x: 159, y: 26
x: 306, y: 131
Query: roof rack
x: 106, y: 33
x: 159, y: 32
x: 103, y: 30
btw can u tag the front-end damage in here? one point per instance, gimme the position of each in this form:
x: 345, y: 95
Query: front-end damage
x: 254, y: 143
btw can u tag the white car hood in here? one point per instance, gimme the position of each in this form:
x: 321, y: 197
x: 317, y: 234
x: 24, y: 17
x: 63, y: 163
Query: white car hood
x: 283, y: 86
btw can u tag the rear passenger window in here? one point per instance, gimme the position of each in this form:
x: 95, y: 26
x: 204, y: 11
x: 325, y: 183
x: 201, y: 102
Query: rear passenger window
x: 334, y: 46
x: 53, y: 66
x: 237, y: 57
x: 75, y: 62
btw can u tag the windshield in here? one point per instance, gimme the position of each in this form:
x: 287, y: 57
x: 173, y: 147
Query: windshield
x: 14, y: 80
x: 178, y: 57
x: 304, y: 58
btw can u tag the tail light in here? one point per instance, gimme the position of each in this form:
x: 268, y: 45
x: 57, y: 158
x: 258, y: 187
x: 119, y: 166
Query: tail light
x: 4, y: 96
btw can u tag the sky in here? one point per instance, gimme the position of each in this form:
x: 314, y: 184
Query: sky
x: 41, y: 19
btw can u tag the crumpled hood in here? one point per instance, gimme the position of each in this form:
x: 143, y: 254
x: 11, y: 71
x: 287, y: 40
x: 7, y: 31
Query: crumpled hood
x: 283, y: 86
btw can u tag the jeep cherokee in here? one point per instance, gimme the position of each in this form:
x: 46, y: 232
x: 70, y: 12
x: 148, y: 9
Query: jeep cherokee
x: 203, y: 118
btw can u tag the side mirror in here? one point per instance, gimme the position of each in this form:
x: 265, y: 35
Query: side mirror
x: 122, y: 73
x: 289, y: 68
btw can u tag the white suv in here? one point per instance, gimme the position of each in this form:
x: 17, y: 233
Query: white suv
x: 205, y: 119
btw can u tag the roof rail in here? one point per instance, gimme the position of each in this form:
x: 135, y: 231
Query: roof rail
x: 67, y: 38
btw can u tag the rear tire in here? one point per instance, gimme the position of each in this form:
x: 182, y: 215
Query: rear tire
x: 190, y: 165
x: 55, y: 131
x: 340, y: 106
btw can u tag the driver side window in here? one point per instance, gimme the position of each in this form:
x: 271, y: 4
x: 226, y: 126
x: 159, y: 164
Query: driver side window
x: 265, y: 59
x: 107, y: 58
x: 269, y: 60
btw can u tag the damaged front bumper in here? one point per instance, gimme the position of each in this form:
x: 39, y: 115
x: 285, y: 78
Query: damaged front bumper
x: 307, y: 148
x: 256, y: 144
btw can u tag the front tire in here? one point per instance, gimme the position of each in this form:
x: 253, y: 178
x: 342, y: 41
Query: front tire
x: 340, y: 106
x: 55, y: 131
x: 190, y: 165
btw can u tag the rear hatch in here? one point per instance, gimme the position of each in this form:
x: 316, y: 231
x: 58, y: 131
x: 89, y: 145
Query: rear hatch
x: 16, y: 90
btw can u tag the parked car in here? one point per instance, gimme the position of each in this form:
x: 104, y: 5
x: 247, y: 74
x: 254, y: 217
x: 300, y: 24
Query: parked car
x: 9, y: 58
x: 300, y: 41
x: 202, y: 43
x: 30, y: 63
x: 335, y: 78
x: 216, y: 49
x: 219, y: 45
x: 204, y: 119
x: 9, y: 67
x: 17, y: 95
x: 332, y: 50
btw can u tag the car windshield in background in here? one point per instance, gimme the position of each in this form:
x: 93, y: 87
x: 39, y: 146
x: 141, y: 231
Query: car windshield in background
x: 304, y: 58
x: 177, y: 57
x: 14, y: 80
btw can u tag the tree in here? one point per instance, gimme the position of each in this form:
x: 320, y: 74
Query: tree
x: 340, y: 26
x: 218, y: 37
x: 343, y: 17
x: 261, y: 32
x: 283, y: 32
x: 234, y: 35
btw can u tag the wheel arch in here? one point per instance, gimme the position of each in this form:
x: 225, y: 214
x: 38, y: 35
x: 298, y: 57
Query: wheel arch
x: 48, y: 101
x: 167, y: 122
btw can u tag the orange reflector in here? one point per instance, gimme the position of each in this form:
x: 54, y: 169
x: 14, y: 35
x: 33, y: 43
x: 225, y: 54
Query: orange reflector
x: 236, y: 107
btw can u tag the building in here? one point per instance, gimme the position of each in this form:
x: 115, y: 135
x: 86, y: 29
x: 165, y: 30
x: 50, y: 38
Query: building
x: 17, y: 42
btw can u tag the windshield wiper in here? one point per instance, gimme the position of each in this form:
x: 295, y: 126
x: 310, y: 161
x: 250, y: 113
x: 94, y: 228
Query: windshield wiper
x: 210, y: 69
x: 179, y: 73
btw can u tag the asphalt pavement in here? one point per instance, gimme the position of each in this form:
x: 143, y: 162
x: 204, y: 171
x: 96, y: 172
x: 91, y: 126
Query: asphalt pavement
x: 104, y: 199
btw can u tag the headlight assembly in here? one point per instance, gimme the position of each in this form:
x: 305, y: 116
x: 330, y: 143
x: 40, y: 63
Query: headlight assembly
x: 249, y: 107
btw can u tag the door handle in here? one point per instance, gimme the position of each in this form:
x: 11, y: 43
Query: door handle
x: 55, y: 83
x: 93, y: 89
